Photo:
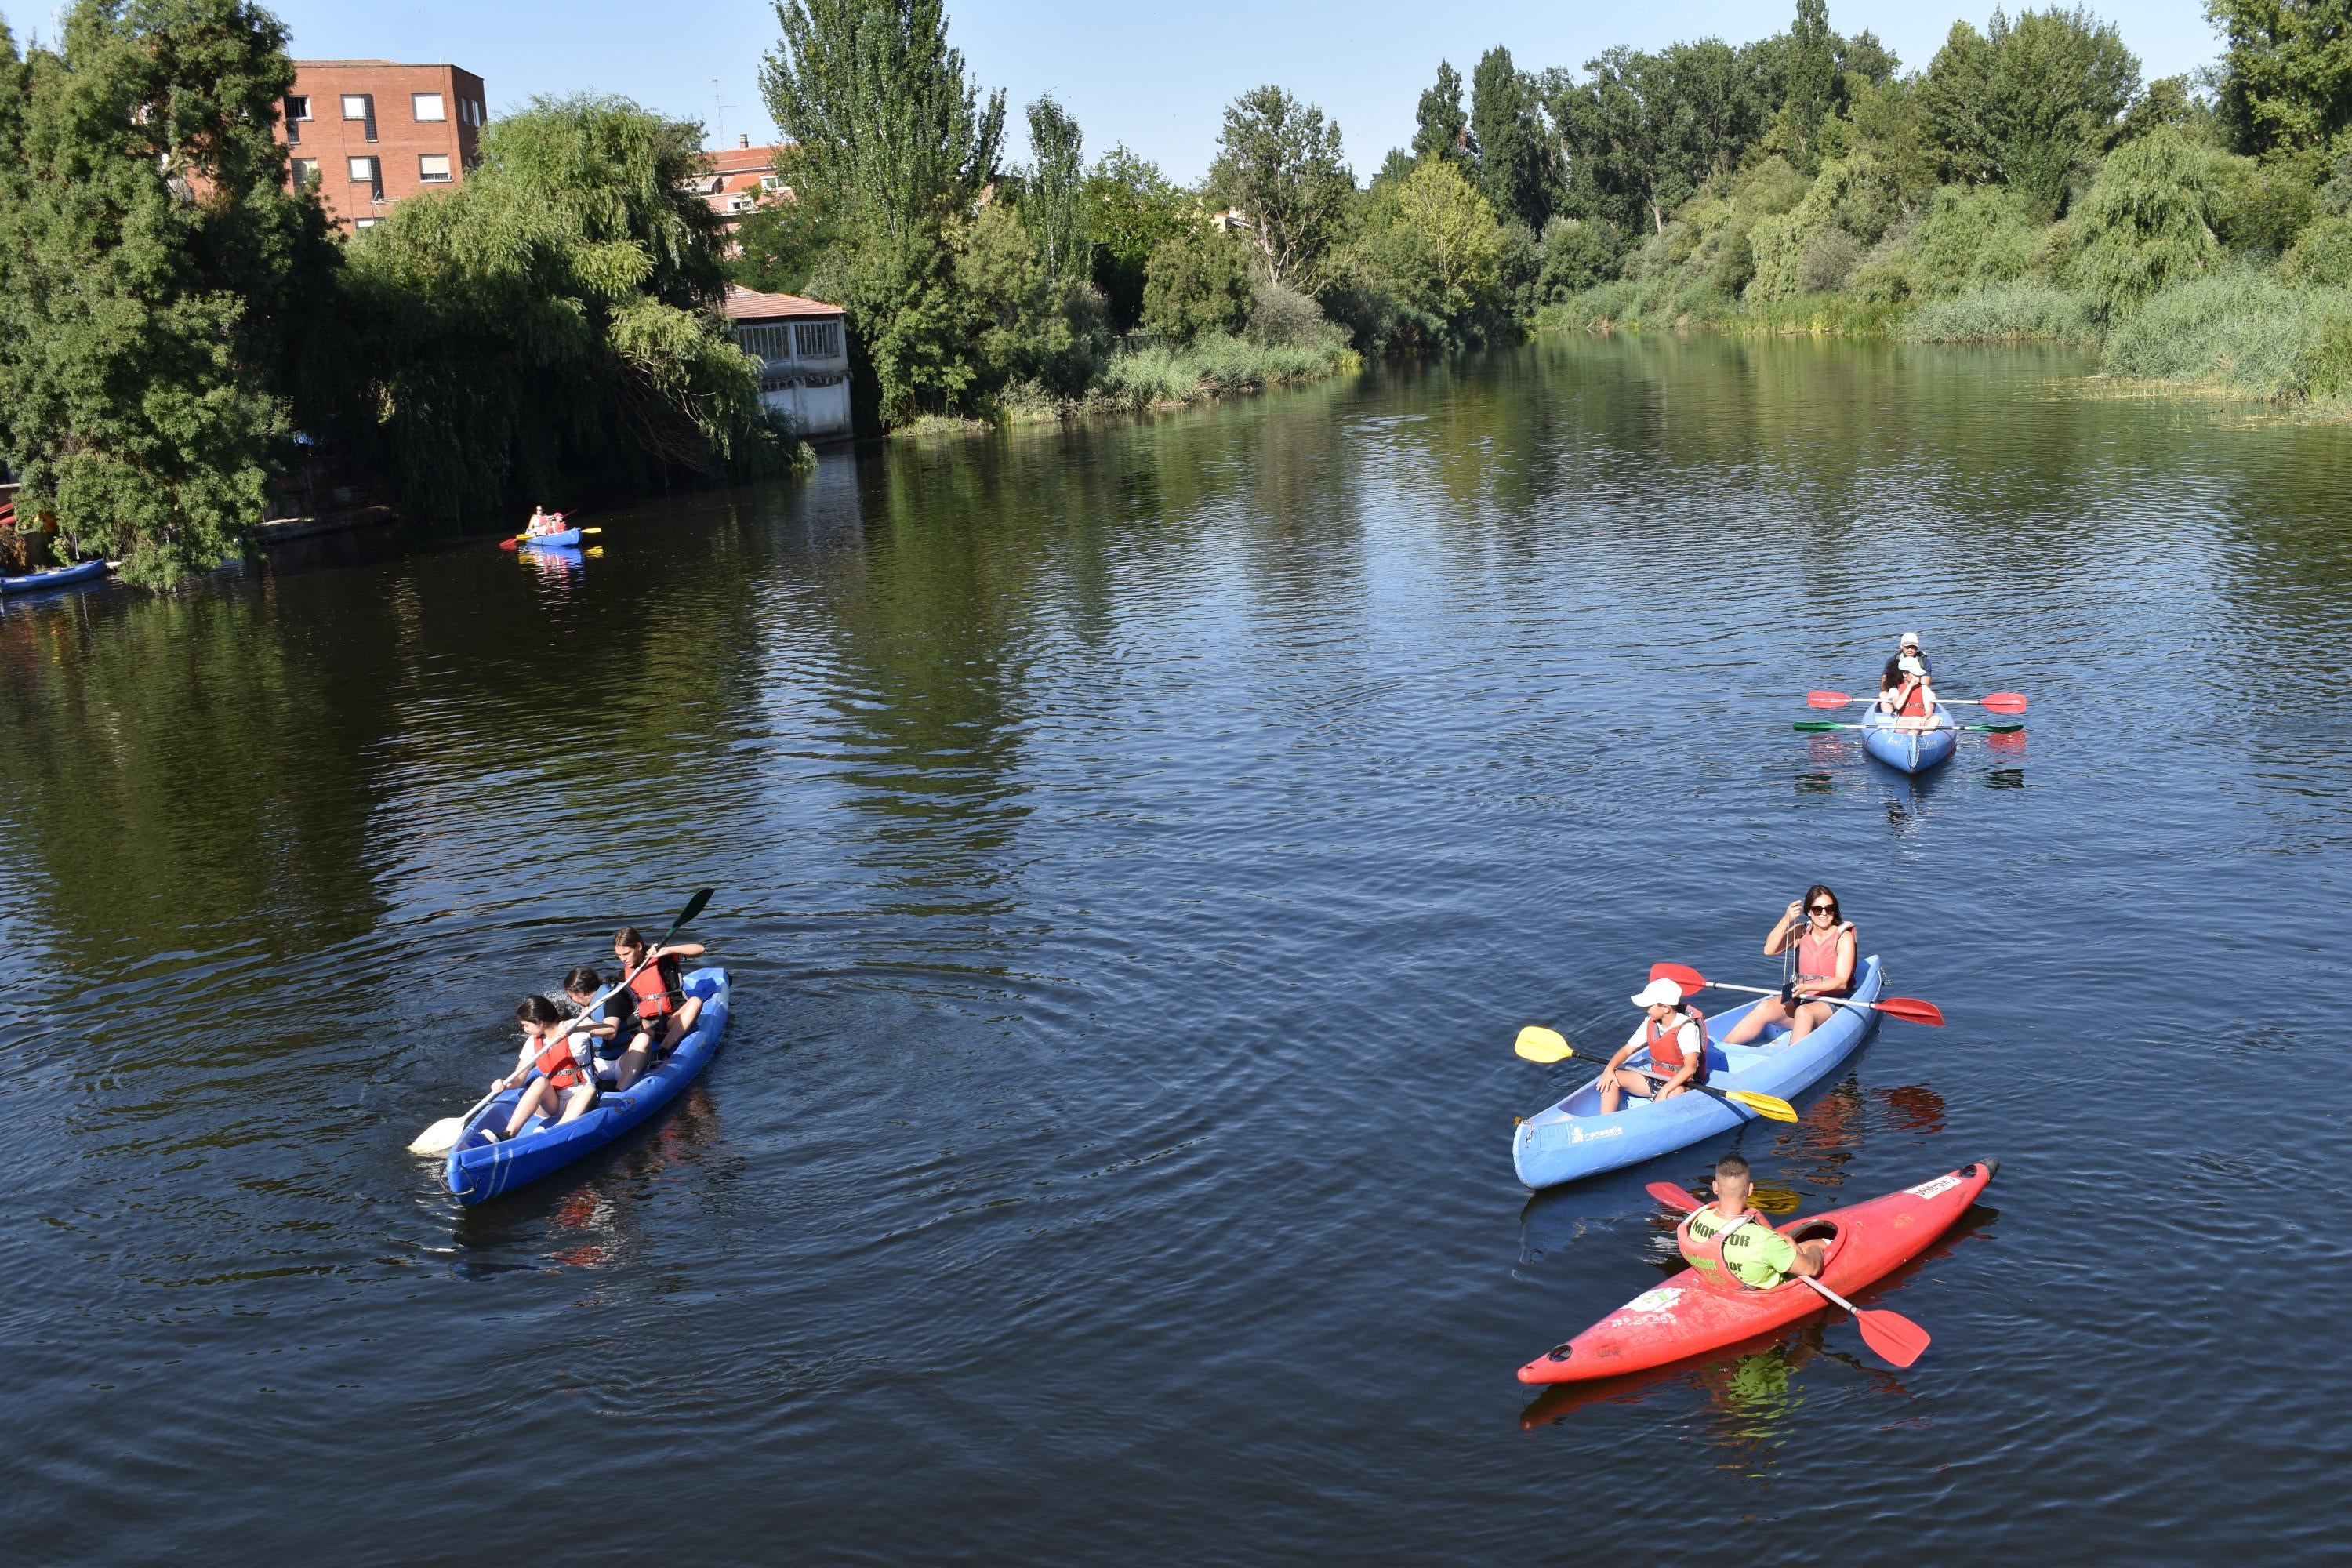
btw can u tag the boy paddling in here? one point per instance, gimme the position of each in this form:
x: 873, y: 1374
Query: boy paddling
x: 1736, y: 1247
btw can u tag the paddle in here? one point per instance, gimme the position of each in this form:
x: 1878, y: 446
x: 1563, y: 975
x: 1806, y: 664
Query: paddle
x: 1890, y: 1334
x: 1538, y: 1044
x: 1815, y: 724
x: 439, y: 1138
x: 1998, y: 701
x: 1910, y: 1010
x: 520, y: 540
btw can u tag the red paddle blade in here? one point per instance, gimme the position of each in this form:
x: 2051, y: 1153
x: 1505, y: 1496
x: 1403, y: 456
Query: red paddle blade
x: 1891, y: 1334
x: 2005, y: 702
x: 1673, y: 1196
x: 1828, y: 699
x: 510, y: 544
x: 1912, y: 1010
x: 1682, y: 974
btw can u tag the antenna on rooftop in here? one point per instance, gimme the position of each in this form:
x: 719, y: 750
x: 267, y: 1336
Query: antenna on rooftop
x: 718, y: 96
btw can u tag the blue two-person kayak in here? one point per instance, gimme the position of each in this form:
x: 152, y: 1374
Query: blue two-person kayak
x: 56, y: 577
x: 1912, y: 750
x: 1573, y: 1139
x: 569, y: 536
x: 477, y: 1171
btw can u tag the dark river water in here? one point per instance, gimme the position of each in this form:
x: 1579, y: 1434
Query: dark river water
x: 1137, y: 846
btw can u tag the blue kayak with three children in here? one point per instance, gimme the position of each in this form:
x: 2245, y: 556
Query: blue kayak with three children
x: 593, y: 1066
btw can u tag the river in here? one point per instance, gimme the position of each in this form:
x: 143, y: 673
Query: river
x: 1137, y: 846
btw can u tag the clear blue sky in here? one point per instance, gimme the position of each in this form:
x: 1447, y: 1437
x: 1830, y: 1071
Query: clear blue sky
x: 1151, y: 74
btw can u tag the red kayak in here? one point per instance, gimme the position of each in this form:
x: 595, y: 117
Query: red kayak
x: 1687, y: 1316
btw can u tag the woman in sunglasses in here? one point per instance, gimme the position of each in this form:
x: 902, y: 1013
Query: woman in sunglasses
x: 1825, y: 944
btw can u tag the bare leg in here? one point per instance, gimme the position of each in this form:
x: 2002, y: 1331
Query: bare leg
x: 577, y: 1102
x: 632, y: 1065
x: 1625, y: 1080
x: 1756, y: 1020
x: 526, y: 1106
x: 1811, y: 1015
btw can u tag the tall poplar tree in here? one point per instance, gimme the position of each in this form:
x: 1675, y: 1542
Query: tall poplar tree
x: 150, y: 263
x: 1054, y: 204
x: 1440, y: 128
x: 1514, y: 162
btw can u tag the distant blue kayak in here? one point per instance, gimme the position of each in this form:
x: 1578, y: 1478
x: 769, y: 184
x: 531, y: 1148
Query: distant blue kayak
x: 569, y: 536
x: 1573, y: 1139
x: 477, y: 1171
x: 58, y: 577
x: 1912, y: 750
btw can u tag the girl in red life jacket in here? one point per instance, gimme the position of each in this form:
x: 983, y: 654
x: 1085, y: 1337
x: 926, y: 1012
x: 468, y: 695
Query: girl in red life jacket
x: 1826, y: 943
x: 1904, y: 691
x: 1676, y: 1038
x: 554, y: 1064
x: 664, y: 1013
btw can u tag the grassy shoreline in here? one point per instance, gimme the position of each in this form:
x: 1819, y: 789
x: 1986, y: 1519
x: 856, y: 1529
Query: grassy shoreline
x: 1157, y: 379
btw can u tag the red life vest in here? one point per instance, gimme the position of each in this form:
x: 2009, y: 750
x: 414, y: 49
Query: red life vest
x: 1706, y: 1258
x: 1666, y: 1046
x: 1910, y: 699
x: 555, y: 1061
x: 656, y: 988
x: 1817, y: 955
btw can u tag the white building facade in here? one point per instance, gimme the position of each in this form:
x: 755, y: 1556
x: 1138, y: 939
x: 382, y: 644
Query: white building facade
x: 802, y: 346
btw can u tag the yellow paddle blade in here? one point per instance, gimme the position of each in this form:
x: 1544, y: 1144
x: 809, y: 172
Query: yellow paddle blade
x: 1762, y: 1105
x: 593, y: 550
x: 591, y: 530
x: 439, y: 1138
x: 1773, y: 1200
x: 1538, y: 1044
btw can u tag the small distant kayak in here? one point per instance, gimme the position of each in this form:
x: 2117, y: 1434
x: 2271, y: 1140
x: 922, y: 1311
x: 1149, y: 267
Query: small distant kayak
x: 1573, y: 1139
x: 1688, y: 1316
x: 58, y: 577
x: 1911, y: 751
x: 563, y: 540
x: 477, y: 1171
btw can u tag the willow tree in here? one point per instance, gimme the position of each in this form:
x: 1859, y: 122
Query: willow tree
x: 151, y: 263
x: 901, y: 145
x: 547, y: 328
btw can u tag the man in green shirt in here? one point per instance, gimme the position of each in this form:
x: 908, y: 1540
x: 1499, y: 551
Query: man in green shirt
x: 1757, y: 1254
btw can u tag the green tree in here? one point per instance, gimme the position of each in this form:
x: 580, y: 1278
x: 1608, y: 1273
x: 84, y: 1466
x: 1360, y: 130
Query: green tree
x: 2285, y: 74
x: 1281, y: 165
x: 1055, y: 201
x: 1131, y: 211
x: 2025, y: 103
x: 1198, y: 283
x: 1440, y: 128
x: 1446, y: 237
x: 1812, y: 81
x: 546, y: 328
x: 1506, y: 124
x: 901, y: 143
x: 153, y: 270
x: 1033, y: 327
x: 2147, y: 220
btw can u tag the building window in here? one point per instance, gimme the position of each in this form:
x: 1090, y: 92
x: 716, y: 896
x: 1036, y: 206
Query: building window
x: 306, y: 173
x: 298, y: 109
x: 365, y: 222
x: 356, y: 105
x: 427, y: 107
x: 767, y: 342
x: 433, y: 168
x: 370, y: 173
x: 818, y: 339
x: 741, y: 202
x: 772, y: 182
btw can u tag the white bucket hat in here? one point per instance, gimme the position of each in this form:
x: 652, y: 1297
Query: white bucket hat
x: 1908, y: 639
x: 1660, y: 994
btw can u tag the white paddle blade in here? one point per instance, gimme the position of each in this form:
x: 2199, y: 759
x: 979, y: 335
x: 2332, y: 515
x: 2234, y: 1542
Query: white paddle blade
x: 1538, y: 1044
x: 439, y: 1138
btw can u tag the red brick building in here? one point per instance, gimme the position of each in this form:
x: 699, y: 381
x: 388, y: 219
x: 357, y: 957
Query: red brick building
x: 368, y: 134
x: 740, y: 177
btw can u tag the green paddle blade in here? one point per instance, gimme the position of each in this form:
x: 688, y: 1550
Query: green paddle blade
x: 1815, y: 724
x: 1995, y: 729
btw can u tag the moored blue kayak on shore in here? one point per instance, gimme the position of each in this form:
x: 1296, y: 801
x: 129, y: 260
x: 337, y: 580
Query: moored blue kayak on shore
x: 1911, y: 751
x: 477, y: 1171
x: 1573, y: 1139
x: 58, y: 577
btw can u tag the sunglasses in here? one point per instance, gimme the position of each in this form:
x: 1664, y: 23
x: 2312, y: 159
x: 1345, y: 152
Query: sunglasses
x: 1824, y: 909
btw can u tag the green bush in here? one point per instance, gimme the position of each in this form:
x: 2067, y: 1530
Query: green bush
x: 1197, y: 282
x: 2259, y: 206
x: 1212, y: 365
x: 2238, y: 329
x: 2321, y: 255
x: 1969, y: 236
x: 1576, y: 256
x: 2147, y: 222
x: 2008, y: 313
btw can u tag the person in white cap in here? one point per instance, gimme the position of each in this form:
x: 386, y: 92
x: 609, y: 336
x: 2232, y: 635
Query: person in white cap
x: 1904, y: 692
x: 1907, y: 647
x: 1676, y: 1038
